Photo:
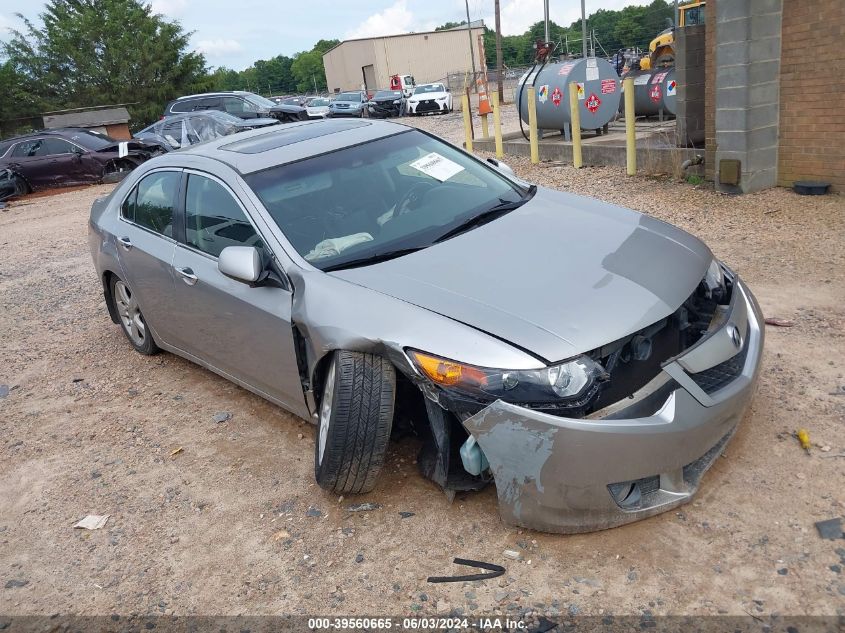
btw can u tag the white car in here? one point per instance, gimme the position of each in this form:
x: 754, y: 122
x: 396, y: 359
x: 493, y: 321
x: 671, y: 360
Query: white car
x: 430, y: 98
x: 317, y: 108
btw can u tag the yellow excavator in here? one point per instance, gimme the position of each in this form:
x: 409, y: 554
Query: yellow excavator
x: 661, y: 51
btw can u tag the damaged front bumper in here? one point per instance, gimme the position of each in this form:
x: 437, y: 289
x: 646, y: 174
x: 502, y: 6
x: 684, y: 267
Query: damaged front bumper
x: 634, y: 459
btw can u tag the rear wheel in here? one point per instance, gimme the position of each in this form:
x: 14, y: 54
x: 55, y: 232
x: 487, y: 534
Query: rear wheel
x: 131, y: 319
x: 356, y: 414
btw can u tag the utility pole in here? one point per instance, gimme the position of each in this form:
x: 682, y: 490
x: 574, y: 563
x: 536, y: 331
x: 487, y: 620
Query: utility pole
x: 676, y: 14
x: 471, y: 46
x: 546, y: 17
x: 499, y: 62
x: 583, y: 30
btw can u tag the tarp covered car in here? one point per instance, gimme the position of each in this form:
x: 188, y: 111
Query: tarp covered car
x: 182, y: 130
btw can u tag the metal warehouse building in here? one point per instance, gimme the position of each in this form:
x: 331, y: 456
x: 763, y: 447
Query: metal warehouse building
x: 426, y: 56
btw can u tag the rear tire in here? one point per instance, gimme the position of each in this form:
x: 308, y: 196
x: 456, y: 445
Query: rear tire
x: 356, y: 414
x: 131, y: 320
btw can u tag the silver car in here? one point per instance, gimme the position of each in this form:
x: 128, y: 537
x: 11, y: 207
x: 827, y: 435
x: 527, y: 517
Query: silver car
x: 590, y: 361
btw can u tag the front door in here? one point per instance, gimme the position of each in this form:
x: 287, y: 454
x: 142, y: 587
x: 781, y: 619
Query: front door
x: 242, y: 331
x: 145, y: 247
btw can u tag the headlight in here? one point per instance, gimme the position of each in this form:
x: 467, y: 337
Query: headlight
x: 397, y: 102
x: 441, y: 98
x: 714, y: 279
x: 569, y: 384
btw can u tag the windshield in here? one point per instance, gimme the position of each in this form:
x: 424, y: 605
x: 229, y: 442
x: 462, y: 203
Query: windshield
x: 348, y: 96
x: 316, y: 103
x: 432, y: 88
x: 260, y: 101
x: 387, y: 94
x: 402, y: 191
x: 91, y: 140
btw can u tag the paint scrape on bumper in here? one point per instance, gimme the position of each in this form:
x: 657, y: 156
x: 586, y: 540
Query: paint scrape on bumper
x: 570, y: 475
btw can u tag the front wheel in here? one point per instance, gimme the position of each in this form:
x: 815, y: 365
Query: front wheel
x: 356, y: 414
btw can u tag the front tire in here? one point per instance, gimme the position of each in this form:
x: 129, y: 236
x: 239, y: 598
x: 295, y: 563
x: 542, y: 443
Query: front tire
x: 356, y: 414
x: 131, y: 319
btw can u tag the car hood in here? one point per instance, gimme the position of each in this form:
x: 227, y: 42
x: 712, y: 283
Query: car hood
x: 347, y: 103
x: 560, y: 276
x: 287, y: 109
x: 424, y: 96
x: 253, y: 123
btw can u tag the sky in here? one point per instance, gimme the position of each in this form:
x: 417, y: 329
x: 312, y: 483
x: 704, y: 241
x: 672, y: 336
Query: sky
x: 236, y: 34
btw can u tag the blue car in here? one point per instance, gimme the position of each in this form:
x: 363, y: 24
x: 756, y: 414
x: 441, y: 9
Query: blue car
x: 349, y: 104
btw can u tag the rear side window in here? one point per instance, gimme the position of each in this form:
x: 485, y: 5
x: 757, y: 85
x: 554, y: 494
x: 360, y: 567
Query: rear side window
x: 214, y: 219
x: 186, y: 105
x: 151, y: 202
x: 29, y: 149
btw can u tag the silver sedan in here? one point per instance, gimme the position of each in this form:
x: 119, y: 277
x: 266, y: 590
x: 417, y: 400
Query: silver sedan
x: 590, y: 361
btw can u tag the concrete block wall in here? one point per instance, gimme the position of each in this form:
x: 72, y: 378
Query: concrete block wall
x: 747, y: 90
x: 710, y: 91
x: 690, y: 61
x: 812, y: 92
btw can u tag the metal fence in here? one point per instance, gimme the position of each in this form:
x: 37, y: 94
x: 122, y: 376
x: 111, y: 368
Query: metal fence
x: 459, y: 81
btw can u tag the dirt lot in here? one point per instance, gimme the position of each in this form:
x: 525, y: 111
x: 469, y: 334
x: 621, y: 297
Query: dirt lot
x: 234, y: 524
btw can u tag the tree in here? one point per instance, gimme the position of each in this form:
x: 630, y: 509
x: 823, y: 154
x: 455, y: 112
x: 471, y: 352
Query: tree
x: 450, y: 25
x: 99, y: 52
x: 308, y: 70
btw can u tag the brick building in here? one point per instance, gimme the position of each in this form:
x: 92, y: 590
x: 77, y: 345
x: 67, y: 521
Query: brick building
x: 774, y: 93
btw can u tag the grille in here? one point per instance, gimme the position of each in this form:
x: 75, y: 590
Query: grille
x: 721, y: 375
x: 429, y: 105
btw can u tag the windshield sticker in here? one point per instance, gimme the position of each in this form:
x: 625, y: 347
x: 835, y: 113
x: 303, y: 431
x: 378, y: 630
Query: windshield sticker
x: 543, y: 94
x: 437, y: 166
x: 123, y: 149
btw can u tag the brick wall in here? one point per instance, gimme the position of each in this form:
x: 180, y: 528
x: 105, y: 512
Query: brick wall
x: 812, y: 89
x: 710, y: 92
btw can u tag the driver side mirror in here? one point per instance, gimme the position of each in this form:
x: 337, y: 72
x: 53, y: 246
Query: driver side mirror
x: 242, y: 263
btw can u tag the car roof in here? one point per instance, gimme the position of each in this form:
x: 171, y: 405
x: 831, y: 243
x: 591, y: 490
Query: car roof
x: 215, y: 94
x: 63, y: 131
x: 260, y: 149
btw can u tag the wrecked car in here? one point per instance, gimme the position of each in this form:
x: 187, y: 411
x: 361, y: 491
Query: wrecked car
x: 589, y: 361
x: 70, y: 156
x: 182, y: 130
x: 386, y: 103
x: 242, y: 104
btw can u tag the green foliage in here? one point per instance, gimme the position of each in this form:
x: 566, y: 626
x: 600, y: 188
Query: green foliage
x: 633, y: 26
x: 450, y: 25
x: 694, y: 179
x: 99, y: 52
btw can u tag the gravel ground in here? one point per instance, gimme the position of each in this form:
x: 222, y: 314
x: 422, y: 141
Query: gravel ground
x: 233, y: 523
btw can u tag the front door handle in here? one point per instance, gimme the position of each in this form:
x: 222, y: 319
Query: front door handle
x: 125, y: 242
x: 188, y: 276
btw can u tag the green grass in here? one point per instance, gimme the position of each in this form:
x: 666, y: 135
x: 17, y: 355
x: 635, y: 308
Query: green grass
x: 694, y: 179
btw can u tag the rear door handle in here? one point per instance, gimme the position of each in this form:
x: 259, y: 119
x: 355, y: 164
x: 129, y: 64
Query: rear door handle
x: 188, y: 276
x: 125, y: 242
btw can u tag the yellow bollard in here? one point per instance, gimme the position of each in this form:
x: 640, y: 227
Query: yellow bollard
x: 532, y: 125
x: 630, y: 129
x: 497, y: 126
x: 467, y: 122
x: 485, y: 130
x: 575, y: 122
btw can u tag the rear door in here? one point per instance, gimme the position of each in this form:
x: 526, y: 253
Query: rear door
x: 145, y: 247
x: 30, y: 158
x: 244, y: 332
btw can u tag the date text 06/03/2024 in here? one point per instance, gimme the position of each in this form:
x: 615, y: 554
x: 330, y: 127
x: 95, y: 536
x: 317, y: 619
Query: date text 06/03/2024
x: 417, y: 624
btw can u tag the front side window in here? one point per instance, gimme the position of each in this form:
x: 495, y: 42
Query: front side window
x: 151, y: 204
x: 402, y: 191
x: 57, y: 146
x: 214, y: 220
